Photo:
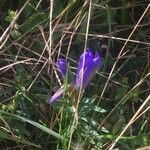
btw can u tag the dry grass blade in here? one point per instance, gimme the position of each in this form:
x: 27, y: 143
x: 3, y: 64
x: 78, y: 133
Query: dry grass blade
x: 130, y: 122
x: 10, y: 27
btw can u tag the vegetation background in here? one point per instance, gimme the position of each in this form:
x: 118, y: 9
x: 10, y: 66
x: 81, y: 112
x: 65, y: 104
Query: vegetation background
x: 114, y: 109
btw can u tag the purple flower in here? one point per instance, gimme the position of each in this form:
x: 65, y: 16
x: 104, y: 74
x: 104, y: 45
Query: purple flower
x: 62, y: 67
x: 88, y: 64
x: 57, y: 95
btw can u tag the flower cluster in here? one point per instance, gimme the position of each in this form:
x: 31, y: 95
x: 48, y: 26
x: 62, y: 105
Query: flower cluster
x: 88, y: 64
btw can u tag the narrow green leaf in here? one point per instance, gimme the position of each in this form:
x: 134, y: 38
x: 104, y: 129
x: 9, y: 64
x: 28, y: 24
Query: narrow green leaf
x: 43, y: 128
x: 7, y: 136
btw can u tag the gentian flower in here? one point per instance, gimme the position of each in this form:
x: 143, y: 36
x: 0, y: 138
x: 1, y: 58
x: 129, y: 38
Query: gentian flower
x: 62, y: 67
x: 88, y: 64
x: 57, y: 95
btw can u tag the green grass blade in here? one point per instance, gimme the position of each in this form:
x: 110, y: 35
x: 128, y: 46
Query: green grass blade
x: 43, y: 128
